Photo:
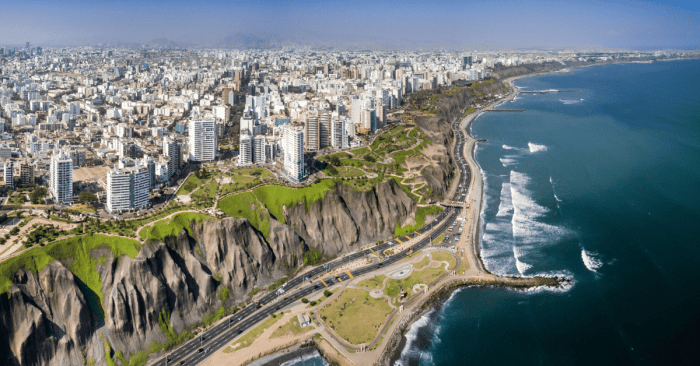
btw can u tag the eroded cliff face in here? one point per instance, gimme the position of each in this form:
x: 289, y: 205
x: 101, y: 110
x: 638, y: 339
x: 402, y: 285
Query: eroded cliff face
x: 346, y: 219
x: 47, y: 318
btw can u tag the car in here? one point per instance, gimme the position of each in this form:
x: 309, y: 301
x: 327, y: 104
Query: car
x: 181, y: 363
x: 207, y: 350
x: 200, y: 350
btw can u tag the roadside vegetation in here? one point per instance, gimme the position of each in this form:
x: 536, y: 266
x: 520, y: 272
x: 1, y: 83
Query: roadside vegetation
x: 421, y: 214
x: 292, y: 328
x: 252, y: 335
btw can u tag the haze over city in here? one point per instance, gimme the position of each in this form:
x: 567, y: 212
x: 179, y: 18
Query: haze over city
x: 409, y: 24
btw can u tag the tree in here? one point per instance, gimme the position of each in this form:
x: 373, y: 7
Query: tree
x: 37, y: 194
x: 311, y: 257
x: 87, y: 197
x: 335, y: 160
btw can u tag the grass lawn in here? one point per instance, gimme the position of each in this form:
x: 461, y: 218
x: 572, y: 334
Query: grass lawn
x: 193, y: 182
x: 425, y: 276
x: 251, y: 336
x: 422, y: 263
x: 447, y: 257
x: 291, y: 328
x: 246, y: 205
x: 85, y: 209
x: 374, y: 282
x: 258, y: 205
x: 174, y: 225
x: 463, y: 267
x: 208, y: 190
x: 246, y: 178
x: 439, y: 239
x: 83, y: 265
x: 421, y: 214
x: 355, y: 316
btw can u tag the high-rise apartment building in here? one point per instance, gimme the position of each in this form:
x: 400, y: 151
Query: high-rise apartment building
x: 259, y: 155
x: 9, y: 174
x: 339, y: 135
x: 245, y: 149
x: 312, y: 133
x: 127, y: 188
x: 324, y: 130
x: 61, y: 176
x: 202, y: 139
x: 172, y: 150
x: 293, y: 146
x: 26, y: 172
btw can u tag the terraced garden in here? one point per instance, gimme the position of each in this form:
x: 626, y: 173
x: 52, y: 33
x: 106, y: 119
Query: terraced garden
x: 242, y: 179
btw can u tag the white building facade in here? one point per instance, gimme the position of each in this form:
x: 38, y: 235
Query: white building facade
x: 127, y: 189
x: 293, y: 146
x: 202, y: 140
x: 61, y: 176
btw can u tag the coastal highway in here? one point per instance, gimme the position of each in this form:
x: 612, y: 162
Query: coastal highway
x: 199, y: 348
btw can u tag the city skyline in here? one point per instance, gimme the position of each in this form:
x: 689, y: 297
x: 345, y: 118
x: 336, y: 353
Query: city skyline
x: 362, y: 24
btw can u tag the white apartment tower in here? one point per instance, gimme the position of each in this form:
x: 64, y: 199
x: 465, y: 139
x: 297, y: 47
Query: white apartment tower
x: 202, y: 139
x: 127, y: 188
x: 293, y: 146
x: 312, y: 133
x: 61, y: 176
x: 245, y: 149
x: 259, y: 150
x: 339, y: 135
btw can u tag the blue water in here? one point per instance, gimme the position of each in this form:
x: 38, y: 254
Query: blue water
x: 602, y: 186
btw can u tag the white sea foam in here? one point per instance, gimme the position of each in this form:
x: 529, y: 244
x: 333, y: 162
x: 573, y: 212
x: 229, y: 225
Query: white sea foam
x: 591, y: 261
x: 522, y: 267
x: 570, y: 101
x: 526, y: 213
x: 304, y: 358
x: 508, y: 162
x: 506, y: 206
x: 411, y: 336
x: 536, y: 148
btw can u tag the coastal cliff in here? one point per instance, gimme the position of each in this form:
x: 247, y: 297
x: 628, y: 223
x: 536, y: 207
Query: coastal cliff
x: 49, y: 317
x: 346, y: 219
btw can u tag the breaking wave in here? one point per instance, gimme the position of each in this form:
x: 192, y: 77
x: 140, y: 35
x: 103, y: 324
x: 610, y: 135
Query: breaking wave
x: 410, y: 352
x: 506, y: 206
x: 310, y: 359
x: 570, y: 101
x: 591, y: 261
x: 522, y: 267
x: 508, y: 161
x: 536, y: 148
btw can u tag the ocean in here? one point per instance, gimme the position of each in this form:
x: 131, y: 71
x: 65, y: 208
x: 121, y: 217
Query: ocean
x: 602, y: 186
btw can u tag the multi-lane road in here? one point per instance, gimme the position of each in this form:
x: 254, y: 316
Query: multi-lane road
x: 200, y: 348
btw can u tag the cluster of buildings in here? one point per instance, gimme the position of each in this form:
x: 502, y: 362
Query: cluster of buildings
x: 124, y: 122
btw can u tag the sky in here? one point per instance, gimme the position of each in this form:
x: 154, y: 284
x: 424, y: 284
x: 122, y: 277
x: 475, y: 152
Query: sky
x: 406, y: 24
